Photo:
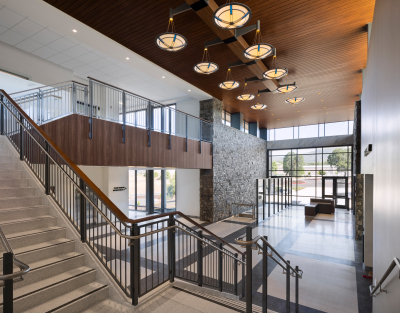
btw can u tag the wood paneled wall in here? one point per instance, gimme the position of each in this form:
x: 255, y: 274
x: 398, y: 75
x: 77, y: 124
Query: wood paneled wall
x: 71, y: 134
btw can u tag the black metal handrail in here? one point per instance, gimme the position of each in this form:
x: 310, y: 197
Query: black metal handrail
x: 395, y: 263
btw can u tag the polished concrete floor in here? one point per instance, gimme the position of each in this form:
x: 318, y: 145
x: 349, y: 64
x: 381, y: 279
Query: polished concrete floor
x: 323, y: 247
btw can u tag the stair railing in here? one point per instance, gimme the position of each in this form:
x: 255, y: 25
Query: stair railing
x: 252, y: 244
x: 8, y: 277
x: 378, y: 286
x: 101, y: 225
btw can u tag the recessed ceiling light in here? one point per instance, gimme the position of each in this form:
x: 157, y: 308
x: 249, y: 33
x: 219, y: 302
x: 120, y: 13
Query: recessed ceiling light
x: 319, y: 93
x: 324, y: 107
x: 74, y: 30
x: 127, y: 58
x: 163, y: 77
x: 322, y: 100
x: 188, y: 89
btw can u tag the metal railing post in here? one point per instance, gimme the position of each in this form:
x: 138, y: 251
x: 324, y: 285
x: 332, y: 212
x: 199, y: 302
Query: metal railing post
x: 74, y: 98
x: 186, y: 131
x: 249, y: 268
x: 235, y: 275
x: 200, y: 260
x: 47, y: 170
x: 149, y: 119
x: 90, y: 106
x: 21, y: 140
x: 135, y: 265
x: 265, y: 277
x: 8, y: 292
x: 170, y: 126
x: 200, y: 135
x: 171, y: 249
x: 123, y: 116
x: 243, y: 276
x: 220, y: 265
x: 288, y: 287
x: 86, y: 100
x: 83, y: 211
x: 41, y: 107
x: 2, y: 116
x: 297, y: 290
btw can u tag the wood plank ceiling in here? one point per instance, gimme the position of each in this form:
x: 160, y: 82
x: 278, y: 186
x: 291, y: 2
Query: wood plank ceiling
x: 323, y: 43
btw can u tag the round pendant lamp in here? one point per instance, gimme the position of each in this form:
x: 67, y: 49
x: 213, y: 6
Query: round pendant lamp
x: 258, y: 50
x: 171, y: 40
x: 286, y: 88
x: 246, y: 96
x: 294, y: 100
x: 229, y: 82
x: 275, y: 71
x: 259, y: 106
x: 206, y: 66
x: 232, y: 15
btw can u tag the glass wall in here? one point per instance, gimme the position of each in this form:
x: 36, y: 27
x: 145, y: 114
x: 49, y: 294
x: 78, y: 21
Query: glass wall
x: 226, y: 118
x: 162, y: 179
x: 311, y: 131
x: 308, y: 166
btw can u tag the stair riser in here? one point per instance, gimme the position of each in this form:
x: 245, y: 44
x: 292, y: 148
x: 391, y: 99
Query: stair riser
x: 58, y: 290
x: 14, y: 214
x: 17, y: 192
x: 86, y: 302
x: 28, y: 225
x: 45, y: 253
x: 34, y: 239
x: 20, y: 202
x: 8, y: 166
x: 11, y: 174
x: 6, y: 159
x: 14, y: 183
x: 49, y: 271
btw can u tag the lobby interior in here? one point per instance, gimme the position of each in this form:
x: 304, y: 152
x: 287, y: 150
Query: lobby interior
x: 199, y: 156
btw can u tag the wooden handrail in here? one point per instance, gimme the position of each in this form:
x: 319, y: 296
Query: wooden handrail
x: 115, y: 87
x: 111, y: 206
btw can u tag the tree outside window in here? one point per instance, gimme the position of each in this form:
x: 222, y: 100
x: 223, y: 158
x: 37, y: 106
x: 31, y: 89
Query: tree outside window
x: 293, y: 162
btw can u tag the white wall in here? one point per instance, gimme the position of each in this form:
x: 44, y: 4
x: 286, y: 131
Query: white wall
x: 36, y: 69
x: 188, y: 191
x: 189, y: 105
x: 106, y: 178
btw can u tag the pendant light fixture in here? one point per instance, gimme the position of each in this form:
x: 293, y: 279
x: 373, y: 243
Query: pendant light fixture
x: 229, y: 82
x: 275, y: 72
x: 171, y: 40
x: 232, y: 15
x: 205, y: 66
x: 245, y: 96
x: 294, y: 100
x: 259, y: 106
x: 287, y: 88
x: 258, y: 50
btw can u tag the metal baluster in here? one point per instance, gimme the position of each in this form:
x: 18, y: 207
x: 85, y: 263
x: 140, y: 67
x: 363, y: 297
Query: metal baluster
x: 297, y: 290
x: 186, y: 132
x: 288, y: 287
x: 83, y: 210
x: 91, y: 91
x: 249, y: 280
x: 220, y: 267
x: 235, y: 274
x: 265, y: 276
x: 171, y: 249
x: 8, y: 293
x: 21, y: 143
x: 135, y: 265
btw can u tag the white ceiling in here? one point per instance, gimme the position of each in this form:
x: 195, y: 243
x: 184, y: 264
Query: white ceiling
x: 23, y: 25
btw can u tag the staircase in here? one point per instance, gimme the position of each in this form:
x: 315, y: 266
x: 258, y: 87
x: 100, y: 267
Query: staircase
x: 58, y: 280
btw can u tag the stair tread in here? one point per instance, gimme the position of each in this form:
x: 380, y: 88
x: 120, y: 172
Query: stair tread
x: 19, y: 197
x: 27, y: 187
x: 31, y: 207
x: 65, y: 299
x: 55, y: 259
x: 42, y: 245
x: 33, y: 232
x: 23, y: 220
x: 45, y: 283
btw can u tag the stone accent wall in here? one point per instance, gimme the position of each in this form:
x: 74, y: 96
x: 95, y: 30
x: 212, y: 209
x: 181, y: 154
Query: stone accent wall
x: 357, y: 138
x: 359, y: 206
x: 238, y: 160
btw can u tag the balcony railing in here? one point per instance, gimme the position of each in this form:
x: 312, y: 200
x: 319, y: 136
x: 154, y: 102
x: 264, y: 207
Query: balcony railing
x: 103, y: 101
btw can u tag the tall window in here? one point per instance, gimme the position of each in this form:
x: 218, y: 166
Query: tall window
x: 308, y: 166
x: 246, y: 127
x: 226, y: 118
x: 311, y: 131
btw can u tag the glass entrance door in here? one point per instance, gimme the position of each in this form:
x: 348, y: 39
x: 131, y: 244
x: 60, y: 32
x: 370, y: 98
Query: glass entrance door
x: 336, y: 188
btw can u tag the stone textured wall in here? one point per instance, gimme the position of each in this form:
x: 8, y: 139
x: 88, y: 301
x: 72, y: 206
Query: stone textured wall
x: 238, y: 160
x: 359, y: 206
x: 357, y: 138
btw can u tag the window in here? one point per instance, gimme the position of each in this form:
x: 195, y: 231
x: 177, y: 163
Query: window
x: 311, y: 131
x: 246, y: 127
x: 308, y: 166
x: 226, y: 118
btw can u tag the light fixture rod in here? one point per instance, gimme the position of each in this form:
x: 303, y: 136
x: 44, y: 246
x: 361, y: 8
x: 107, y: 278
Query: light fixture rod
x: 255, y: 79
x: 215, y: 41
x: 244, y: 30
x: 182, y: 8
x: 237, y: 63
x: 264, y: 90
